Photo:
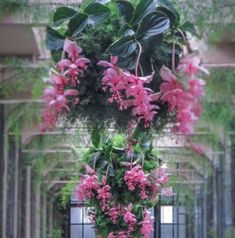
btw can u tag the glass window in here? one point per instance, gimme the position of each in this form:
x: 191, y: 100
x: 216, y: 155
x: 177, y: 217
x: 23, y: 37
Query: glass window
x: 167, y: 214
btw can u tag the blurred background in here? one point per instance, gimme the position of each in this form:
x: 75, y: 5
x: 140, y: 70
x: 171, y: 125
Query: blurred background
x: 38, y: 170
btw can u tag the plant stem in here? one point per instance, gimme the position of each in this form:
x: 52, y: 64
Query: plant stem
x: 138, y: 59
x: 173, y: 57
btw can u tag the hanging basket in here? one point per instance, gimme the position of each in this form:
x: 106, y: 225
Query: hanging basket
x: 141, y: 40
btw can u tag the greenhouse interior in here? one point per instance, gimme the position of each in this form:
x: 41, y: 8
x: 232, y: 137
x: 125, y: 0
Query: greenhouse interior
x: 117, y: 119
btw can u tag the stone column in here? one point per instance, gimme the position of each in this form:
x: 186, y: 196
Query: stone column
x: 44, y: 215
x: 4, y: 183
x: 16, y: 192
x: 28, y: 203
x: 2, y: 163
x: 37, y: 210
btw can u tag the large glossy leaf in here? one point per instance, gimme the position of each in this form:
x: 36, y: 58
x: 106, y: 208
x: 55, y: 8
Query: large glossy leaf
x: 54, y: 40
x: 151, y: 44
x: 110, y: 170
x: 126, y: 9
x: 63, y: 14
x: 153, y: 24
x: 127, y: 62
x: 123, y: 47
x: 103, y: 1
x: 189, y: 27
x: 168, y: 8
x: 77, y: 24
x: 95, y: 137
x: 97, y: 12
x: 95, y: 158
x: 143, y: 9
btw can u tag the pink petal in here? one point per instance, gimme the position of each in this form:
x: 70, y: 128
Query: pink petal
x: 72, y: 49
x: 114, y: 59
x: 58, y: 79
x: 71, y: 92
x: 104, y: 63
x: 81, y: 62
x: 166, y: 74
x: 146, y: 79
x: 49, y: 91
x: 155, y: 96
x: 64, y: 63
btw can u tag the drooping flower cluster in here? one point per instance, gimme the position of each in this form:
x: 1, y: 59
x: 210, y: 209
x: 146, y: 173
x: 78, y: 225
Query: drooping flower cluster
x: 136, y: 178
x: 183, y: 92
x: 147, y: 225
x: 90, y: 188
x: 62, y: 92
x: 128, y: 90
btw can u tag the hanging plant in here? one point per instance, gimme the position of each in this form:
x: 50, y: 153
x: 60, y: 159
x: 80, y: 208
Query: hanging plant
x: 121, y: 179
x: 88, y: 86
x: 115, y: 63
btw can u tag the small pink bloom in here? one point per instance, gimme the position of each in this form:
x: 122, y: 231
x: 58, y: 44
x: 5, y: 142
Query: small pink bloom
x: 146, y: 225
x: 191, y: 65
x: 72, y: 49
x: 130, y: 219
x: 87, y: 187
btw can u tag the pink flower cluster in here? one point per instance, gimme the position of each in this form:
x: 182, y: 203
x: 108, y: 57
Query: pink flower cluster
x: 120, y: 234
x: 183, y: 92
x: 130, y: 219
x: 114, y: 212
x: 136, y: 178
x: 87, y: 187
x: 90, y: 187
x: 58, y: 96
x: 128, y: 90
x: 146, y: 225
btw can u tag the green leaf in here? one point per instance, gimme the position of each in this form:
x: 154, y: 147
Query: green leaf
x: 54, y: 40
x: 104, y: 164
x: 111, y: 170
x: 168, y: 8
x: 77, y: 24
x: 151, y: 44
x: 95, y: 137
x: 142, y: 9
x: 123, y: 47
x: 63, y: 14
x: 95, y: 158
x: 189, y: 27
x: 127, y: 62
x: 103, y: 1
x: 153, y: 24
x: 126, y: 9
x: 97, y: 12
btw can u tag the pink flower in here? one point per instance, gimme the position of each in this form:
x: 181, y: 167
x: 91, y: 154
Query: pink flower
x: 75, y: 64
x: 113, y: 213
x: 196, y: 87
x: 57, y: 99
x: 135, y: 178
x: 87, y: 187
x: 129, y: 91
x: 191, y: 65
x: 130, y: 219
x: 162, y: 175
x: 146, y: 225
x: 49, y: 118
x: 72, y: 49
x: 183, y: 97
x: 104, y: 195
x: 121, y: 234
